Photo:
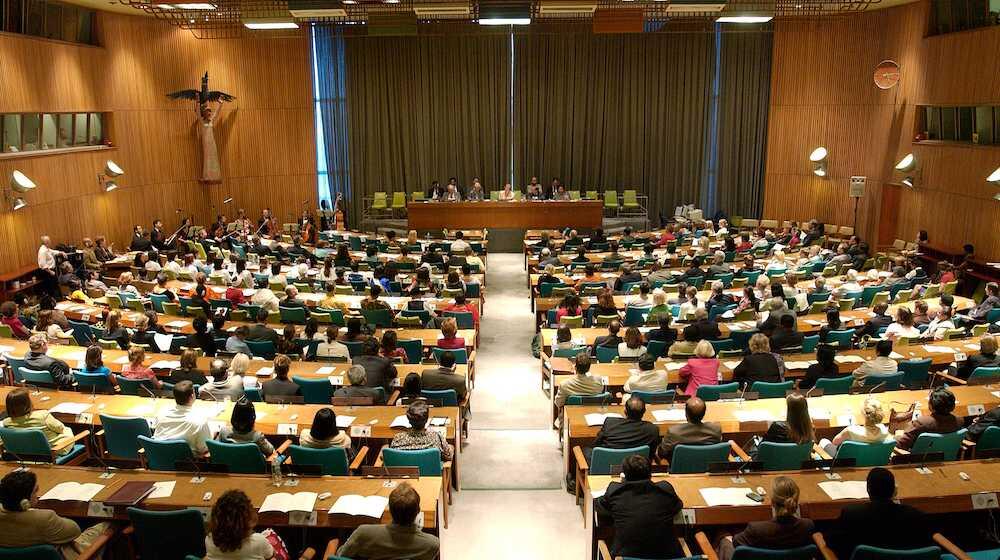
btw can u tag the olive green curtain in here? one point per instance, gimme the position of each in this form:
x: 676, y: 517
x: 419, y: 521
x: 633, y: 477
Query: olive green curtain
x: 426, y: 108
x: 614, y: 111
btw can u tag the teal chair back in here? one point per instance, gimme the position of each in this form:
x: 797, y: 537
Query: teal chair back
x: 545, y: 290
x: 82, y: 333
x: 120, y: 435
x: 949, y: 444
x: 292, y: 314
x: 244, y: 458
x: 132, y: 386
x: 767, y: 390
x: 157, y: 300
x: 574, y: 400
x: 866, y: 552
x: 696, y: 458
x: 657, y: 348
x: 649, y: 397
x: 37, y: 552
x: 168, y: 535
x: 163, y: 455
x: 261, y: 348
x: 414, y: 348
x: 428, y: 461
x: 332, y: 460
x: 841, y: 338
x: 448, y: 397
x: 604, y: 458
x: 568, y: 352
x: 835, y: 385
x: 15, y: 365
x: 86, y: 381
x: 809, y: 343
x: 381, y: 318
x: 36, y: 376
x: 783, y: 456
x: 807, y: 552
x: 422, y: 313
x: 606, y: 354
x: 314, y: 391
x: 463, y: 319
x: 336, y: 315
x: 354, y: 348
x: 461, y: 355
x: 712, y: 392
x: 891, y: 381
x: 723, y: 344
x: 29, y: 442
x: 915, y: 372
x: 984, y: 372
x: 635, y: 316
x: 866, y: 454
x: 989, y: 440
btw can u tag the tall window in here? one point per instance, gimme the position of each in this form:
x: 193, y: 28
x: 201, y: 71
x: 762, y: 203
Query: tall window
x: 330, y: 103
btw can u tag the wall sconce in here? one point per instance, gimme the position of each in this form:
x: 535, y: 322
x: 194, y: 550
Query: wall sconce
x: 111, y: 170
x: 19, y: 183
x: 994, y: 177
x: 818, y: 158
x: 908, y: 168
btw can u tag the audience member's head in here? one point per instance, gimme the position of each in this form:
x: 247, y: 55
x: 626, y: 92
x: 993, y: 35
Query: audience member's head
x: 232, y: 521
x: 636, y: 468
x: 883, y: 348
x: 183, y: 393
x: 404, y: 505
x: 881, y: 484
x: 17, y: 490
x: 635, y: 408
x: 941, y: 401
x: 417, y: 414
x: 694, y: 410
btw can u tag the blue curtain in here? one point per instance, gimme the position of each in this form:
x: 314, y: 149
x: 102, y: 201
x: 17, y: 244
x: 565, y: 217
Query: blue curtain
x: 330, y: 89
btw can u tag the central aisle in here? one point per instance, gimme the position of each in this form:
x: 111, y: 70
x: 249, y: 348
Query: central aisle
x: 511, y: 505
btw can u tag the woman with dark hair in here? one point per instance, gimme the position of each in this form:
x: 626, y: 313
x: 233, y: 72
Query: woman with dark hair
x: 605, y: 305
x: 230, y: 530
x: 389, y: 348
x: 324, y: 432
x: 286, y: 342
x: 354, y: 333
x: 825, y: 366
x: 343, y: 256
x: 113, y: 330
x: 832, y: 324
x: 94, y: 362
x: 748, y: 301
x: 201, y: 338
x: 188, y: 370
x: 632, y: 347
x: 411, y: 389
x: 797, y: 427
x: 311, y: 330
x: 241, y: 428
x: 22, y: 416
x: 569, y: 307
x: 940, y: 420
x: 8, y: 310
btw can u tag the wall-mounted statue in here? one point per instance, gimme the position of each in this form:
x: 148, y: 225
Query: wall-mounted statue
x: 211, y: 171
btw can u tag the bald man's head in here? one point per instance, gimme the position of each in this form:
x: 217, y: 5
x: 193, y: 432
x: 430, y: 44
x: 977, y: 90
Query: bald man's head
x: 635, y: 408
x: 694, y: 410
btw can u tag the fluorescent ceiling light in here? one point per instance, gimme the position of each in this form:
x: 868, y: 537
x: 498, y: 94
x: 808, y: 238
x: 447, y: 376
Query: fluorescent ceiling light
x: 270, y: 23
x: 744, y: 19
x: 166, y: 6
x: 195, y: 6
x: 907, y: 163
x: 819, y: 154
x: 505, y: 21
x: 20, y: 182
x: 994, y: 177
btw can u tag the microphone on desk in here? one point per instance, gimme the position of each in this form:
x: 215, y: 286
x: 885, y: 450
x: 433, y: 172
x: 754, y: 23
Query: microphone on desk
x: 872, y: 390
x: 93, y: 442
x: 810, y: 391
x: 35, y: 388
x: 148, y: 390
x: 209, y: 394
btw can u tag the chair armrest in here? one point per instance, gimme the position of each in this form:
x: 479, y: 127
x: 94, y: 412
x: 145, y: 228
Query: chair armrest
x: 899, y: 451
x: 95, y: 548
x: 738, y: 451
x: 950, y: 547
x: 359, y: 458
x: 603, y: 551
x: 100, y: 433
x: 581, y: 460
x: 823, y: 548
x: 71, y: 441
x: 821, y: 452
x: 950, y: 378
x: 705, y: 546
x: 684, y: 547
x: 331, y: 548
x: 280, y: 450
x: 378, y: 460
x: 393, y: 398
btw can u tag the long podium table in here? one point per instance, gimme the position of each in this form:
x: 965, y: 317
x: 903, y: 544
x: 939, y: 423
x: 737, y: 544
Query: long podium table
x: 505, y: 215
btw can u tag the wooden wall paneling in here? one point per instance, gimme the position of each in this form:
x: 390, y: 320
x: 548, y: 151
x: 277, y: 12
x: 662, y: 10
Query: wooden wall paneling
x: 265, y: 138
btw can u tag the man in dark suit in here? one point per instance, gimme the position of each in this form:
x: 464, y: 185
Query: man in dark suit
x: 444, y: 377
x: 260, y: 332
x: 707, y: 329
x: 292, y: 298
x: 641, y: 512
x: 881, y: 319
x: 631, y: 431
x: 879, y: 522
x: 694, y: 432
x: 628, y: 276
x: 612, y: 338
x: 379, y: 370
x: 785, y: 336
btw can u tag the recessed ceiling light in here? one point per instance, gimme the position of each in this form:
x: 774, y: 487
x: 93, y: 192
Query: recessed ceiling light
x: 196, y: 6
x: 744, y: 19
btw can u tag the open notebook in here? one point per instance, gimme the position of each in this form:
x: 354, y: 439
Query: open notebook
x: 353, y: 504
x: 285, y: 502
x: 73, y: 491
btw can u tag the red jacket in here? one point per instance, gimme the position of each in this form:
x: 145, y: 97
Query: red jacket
x: 235, y: 295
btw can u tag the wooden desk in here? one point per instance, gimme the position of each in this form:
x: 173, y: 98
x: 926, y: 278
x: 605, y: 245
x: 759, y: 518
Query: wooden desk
x: 943, y: 491
x: 187, y: 494
x: 505, y: 215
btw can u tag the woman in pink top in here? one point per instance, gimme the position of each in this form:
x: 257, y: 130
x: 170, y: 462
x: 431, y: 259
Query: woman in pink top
x: 702, y: 369
x: 135, y: 370
x: 449, y: 341
x: 569, y: 307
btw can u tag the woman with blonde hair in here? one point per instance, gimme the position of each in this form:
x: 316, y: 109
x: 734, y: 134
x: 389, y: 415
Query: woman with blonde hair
x: 702, y: 369
x: 785, y: 530
x: 903, y: 325
x: 797, y: 426
x: 777, y: 262
x: 135, y: 370
x: 872, y: 431
x: 125, y: 280
x: 760, y: 365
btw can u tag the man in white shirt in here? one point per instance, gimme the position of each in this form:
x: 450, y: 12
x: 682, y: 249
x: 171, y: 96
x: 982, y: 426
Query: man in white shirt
x: 459, y: 245
x: 332, y: 348
x: 47, y: 264
x: 266, y: 299
x: 182, y: 422
x: 173, y: 266
x: 941, y: 324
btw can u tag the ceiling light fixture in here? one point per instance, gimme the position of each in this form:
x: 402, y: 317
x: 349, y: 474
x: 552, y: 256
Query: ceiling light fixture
x: 270, y: 23
x: 195, y: 6
x: 506, y: 14
x: 744, y: 19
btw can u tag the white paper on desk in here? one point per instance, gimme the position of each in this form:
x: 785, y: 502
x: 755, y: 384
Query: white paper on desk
x: 163, y: 341
x: 165, y: 364
x: 250, y: 382
x: 598, y: 492
x: 896, y: 356
x: 731, y: 364
x: 345, y: 421
x: 177, y: 324
x: 845, y: 489
x: 163, y: 489
x: 597, y: 419
x: 325, y: 370
x: 368, y: 506
x: 729, y: 314
x: 973, y: 347
x: 264, y: 371
x: 849, y: 358
x: 73, y: 408
x: 752, y: 415
x: 285, y: 502
x: 6, y: 349
x: 796, y: 365
x: 813, y: 322
x: 400, y: 421
x: 675, y: 366
x: 938, y: 349
x: 669, y: 415
x: 73, y: 491
x: 726, y: 497
x: 121, y: 360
